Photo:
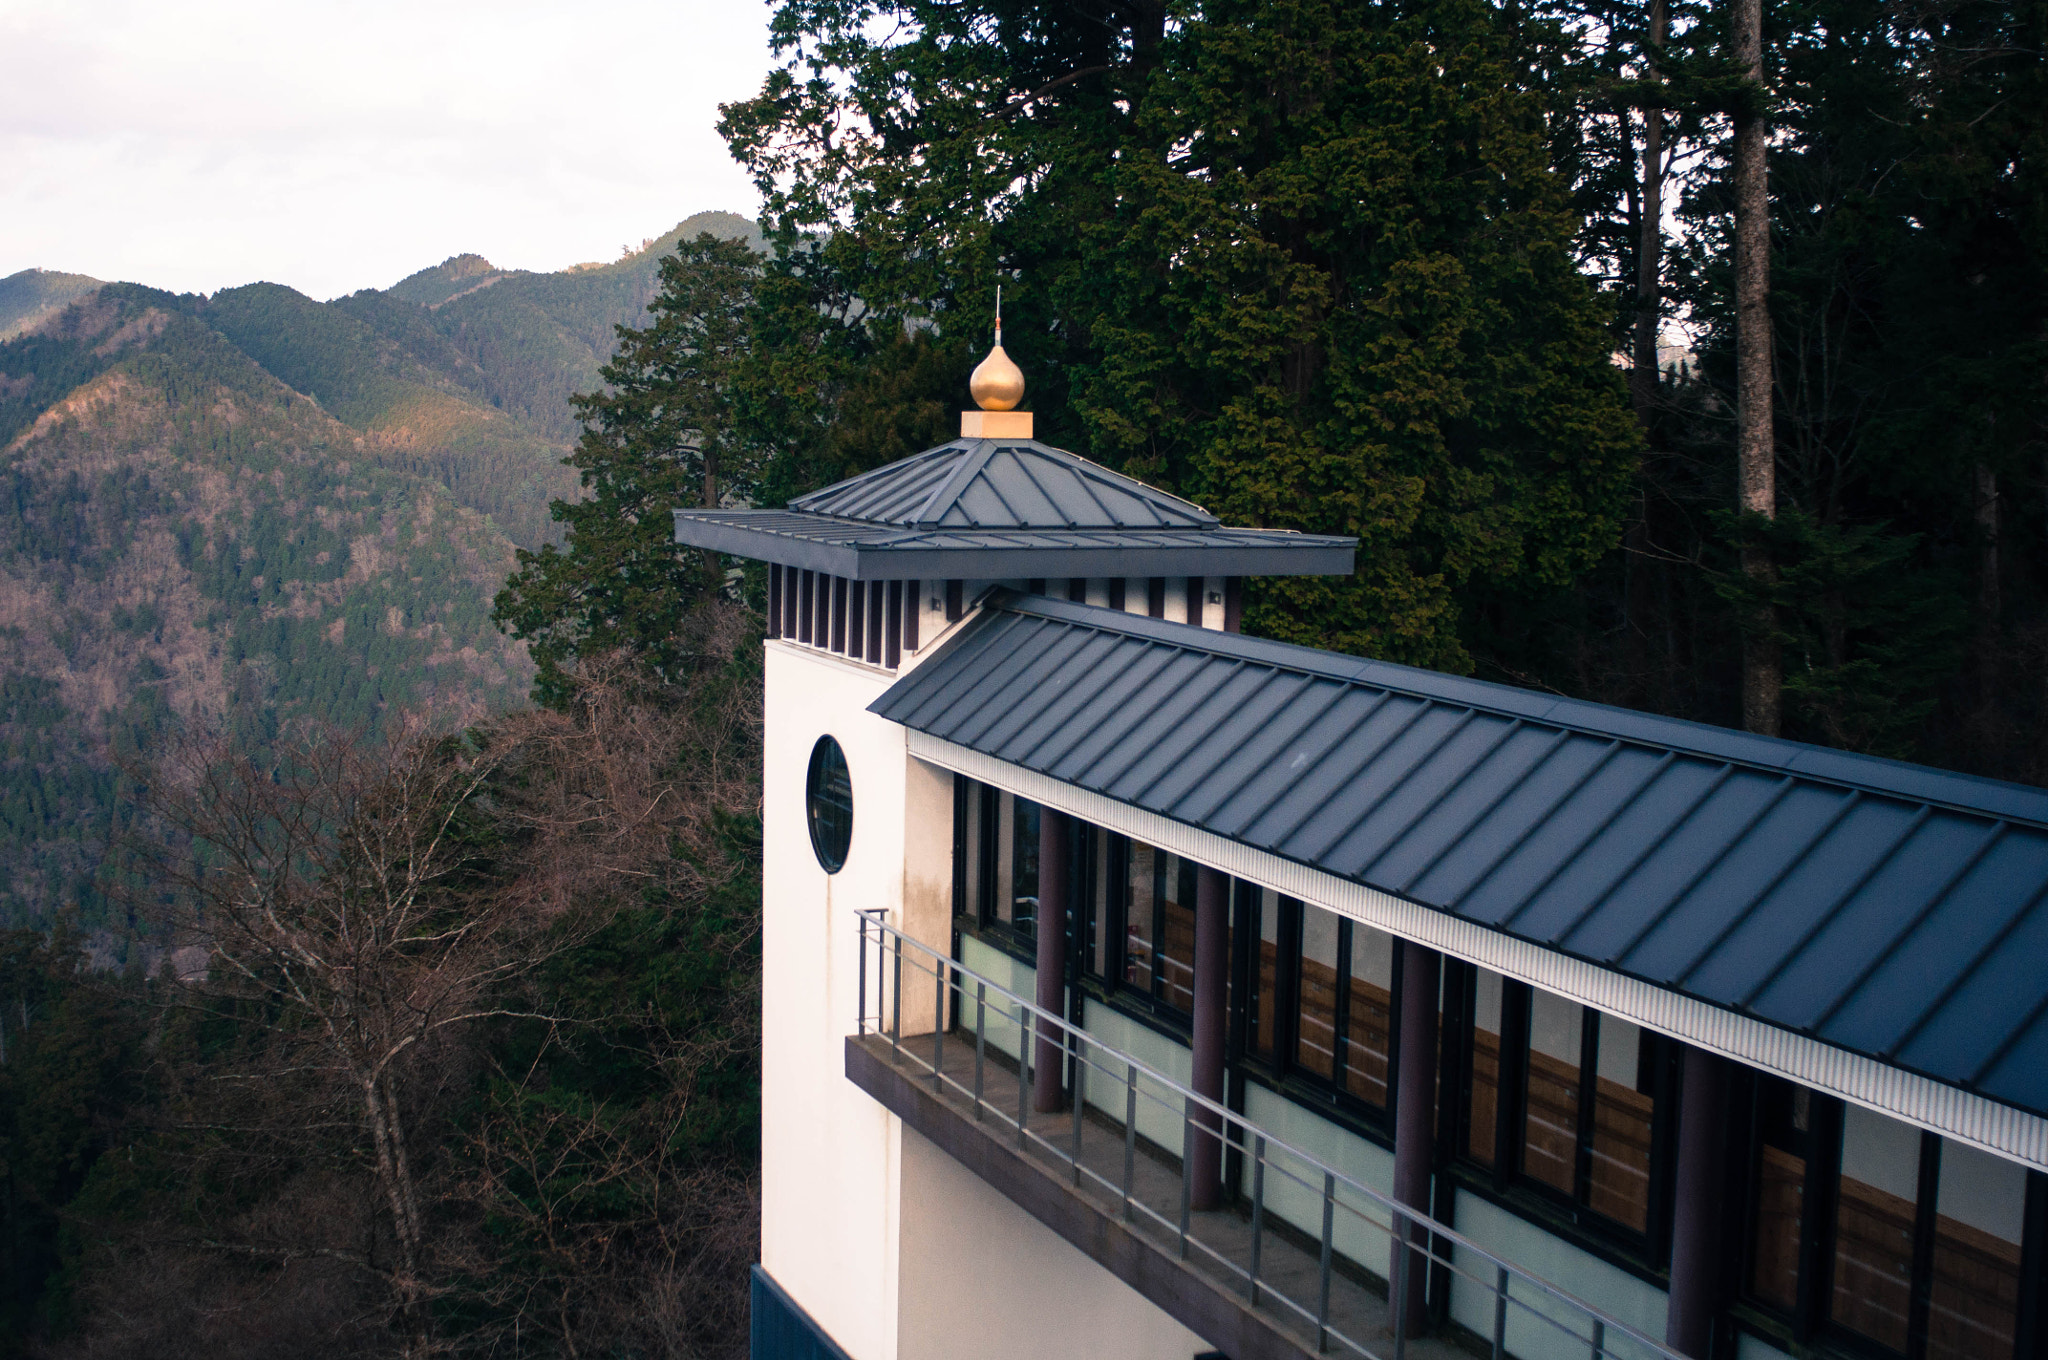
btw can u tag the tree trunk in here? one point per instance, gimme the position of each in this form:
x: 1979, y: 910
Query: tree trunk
x: 1644, y: 375
x: 394, y: 1170
x: 1755, y: 450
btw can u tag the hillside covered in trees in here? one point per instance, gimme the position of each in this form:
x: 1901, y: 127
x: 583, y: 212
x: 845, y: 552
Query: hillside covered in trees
x: 253, y: 507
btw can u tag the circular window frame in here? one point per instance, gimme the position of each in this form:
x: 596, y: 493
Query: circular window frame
x: 829, y: 818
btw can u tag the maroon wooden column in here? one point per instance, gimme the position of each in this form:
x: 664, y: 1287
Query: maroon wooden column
x: 1212, y: 970
x: 1696, y: 1205
x: 1415, y: 1117
x: 1052, y: 956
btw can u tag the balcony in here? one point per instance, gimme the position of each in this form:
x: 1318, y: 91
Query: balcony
x: 1296, y: 1261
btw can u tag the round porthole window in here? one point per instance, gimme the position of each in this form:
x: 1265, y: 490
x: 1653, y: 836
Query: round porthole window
x: 828, y: 804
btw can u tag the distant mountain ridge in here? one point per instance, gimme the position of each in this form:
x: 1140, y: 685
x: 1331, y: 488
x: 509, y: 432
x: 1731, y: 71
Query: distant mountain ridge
x: 255, y: 506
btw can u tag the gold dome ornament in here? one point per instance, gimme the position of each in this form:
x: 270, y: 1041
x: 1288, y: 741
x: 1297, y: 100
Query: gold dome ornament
x: 997, y: 385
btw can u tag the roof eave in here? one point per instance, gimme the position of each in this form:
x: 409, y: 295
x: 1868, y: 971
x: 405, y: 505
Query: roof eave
x: 1283, y: 554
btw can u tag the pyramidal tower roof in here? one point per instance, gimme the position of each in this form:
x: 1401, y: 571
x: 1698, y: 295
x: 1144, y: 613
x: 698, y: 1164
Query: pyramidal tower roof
x: 1003, y: 484
x: 997, y: 505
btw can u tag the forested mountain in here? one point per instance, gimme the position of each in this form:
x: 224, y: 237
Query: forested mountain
x: 33, y: 294
x: 255, y: 506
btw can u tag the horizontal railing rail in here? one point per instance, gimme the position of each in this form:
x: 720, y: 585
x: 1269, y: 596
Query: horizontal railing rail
x: 1288, y: 1183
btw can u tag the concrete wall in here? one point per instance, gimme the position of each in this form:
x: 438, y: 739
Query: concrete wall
x: 981, y: 1278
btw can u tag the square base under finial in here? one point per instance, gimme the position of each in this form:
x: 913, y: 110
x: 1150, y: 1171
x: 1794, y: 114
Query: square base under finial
x: 995, y: 425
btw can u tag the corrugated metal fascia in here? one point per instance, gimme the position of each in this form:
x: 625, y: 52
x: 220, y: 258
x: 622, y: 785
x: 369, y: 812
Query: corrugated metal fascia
x: 1954, y: 1113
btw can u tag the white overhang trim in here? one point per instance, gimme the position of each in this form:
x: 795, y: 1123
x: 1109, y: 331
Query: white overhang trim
x: 1930, y: 1104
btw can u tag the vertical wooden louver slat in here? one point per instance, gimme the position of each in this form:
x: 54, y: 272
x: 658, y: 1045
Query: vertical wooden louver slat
x: 892, y: 630
x: 876, y: 591
x: 913, y: 601
x: 856, y: 619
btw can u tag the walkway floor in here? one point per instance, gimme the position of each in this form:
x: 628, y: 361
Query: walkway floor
x: 1221, y: 1241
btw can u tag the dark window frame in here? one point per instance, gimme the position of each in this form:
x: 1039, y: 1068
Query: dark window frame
x: 1282, y: 1070
x: 1506, y: 1180
x: 1809, y: 1322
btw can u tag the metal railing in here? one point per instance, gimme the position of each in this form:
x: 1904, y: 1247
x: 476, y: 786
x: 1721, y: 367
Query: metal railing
x: 1347, y: 1222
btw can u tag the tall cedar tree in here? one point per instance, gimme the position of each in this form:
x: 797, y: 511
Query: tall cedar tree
x: 1306, y: 263
x: 665, y: 433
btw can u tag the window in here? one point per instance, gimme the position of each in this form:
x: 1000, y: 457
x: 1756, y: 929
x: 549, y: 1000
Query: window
x: 1564, y: 1097
x: 1784, y: 1135
x: 1867, y: 1228
x: 1319, y: 995
x: 996, y: 865
x: 1483, y: 1107
x: 1874, y: 1213
x: 1550, y: 1148
x: 1979, y: 1225
x: 1159, y: 926
x: 828, y: 805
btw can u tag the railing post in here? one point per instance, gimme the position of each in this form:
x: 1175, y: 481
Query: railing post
x: 1023, y: 1072
x: 1323, y: 1269
x: 896, y: 999
x: 980, y: 1038
x: 1258, y: 1209
x: 1500, y: 1316
x: 1396, y: 1294
x: 1187, y: 1186
x: 938, y: 1021
x: 1080, y: 1099
x: 1599, y: 1339
x: 1130, y: 1130
x: 860, y: 1025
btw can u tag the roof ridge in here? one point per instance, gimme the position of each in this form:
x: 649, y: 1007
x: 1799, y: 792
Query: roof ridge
x: 972, y: 460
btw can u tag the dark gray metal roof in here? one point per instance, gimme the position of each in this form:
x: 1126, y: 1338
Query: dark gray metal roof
x: 862, y: 550
x: 1005, y: 509
x: 1003, y: 484
x: 1884, y: 908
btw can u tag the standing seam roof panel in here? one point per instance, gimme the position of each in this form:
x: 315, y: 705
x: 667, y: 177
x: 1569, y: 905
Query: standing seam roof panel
x: 1889, y: 909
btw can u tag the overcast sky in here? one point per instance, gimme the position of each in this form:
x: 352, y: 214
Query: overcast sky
x: 336, y: 146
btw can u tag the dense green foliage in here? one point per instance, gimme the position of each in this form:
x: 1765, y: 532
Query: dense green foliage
x: 1909, y: 305
x: 1362, y: 271
x: 1306, y: 263
x: 663, y: 433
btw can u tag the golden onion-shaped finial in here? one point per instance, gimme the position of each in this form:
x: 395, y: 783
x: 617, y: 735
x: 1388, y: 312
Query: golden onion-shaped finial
x: 997, y: 384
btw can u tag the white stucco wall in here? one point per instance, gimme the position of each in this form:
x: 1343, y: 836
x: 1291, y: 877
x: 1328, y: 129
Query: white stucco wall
x: 982, y: 1278
x: 828, y: 1151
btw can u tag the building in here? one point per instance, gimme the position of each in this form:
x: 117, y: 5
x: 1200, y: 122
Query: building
x: 1136, y: 988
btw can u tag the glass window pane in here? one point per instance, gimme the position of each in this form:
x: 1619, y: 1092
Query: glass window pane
x: 1024, y: 865
x: 1265, y: 971
x: 973, y: 849
x: 1316, y: 1038
x: 1001, y: 896
x: 1551, y: 1140
x: 1177, y: 938
x: 1368, y: 1021
x: 1980, y: 1216
x: 1874, y: 1225
x: 1783, y: 1114
x: 1095, y: 873
x: 1622, y: 1109
x: 1138, y: 924
x: 1479, y: 1143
